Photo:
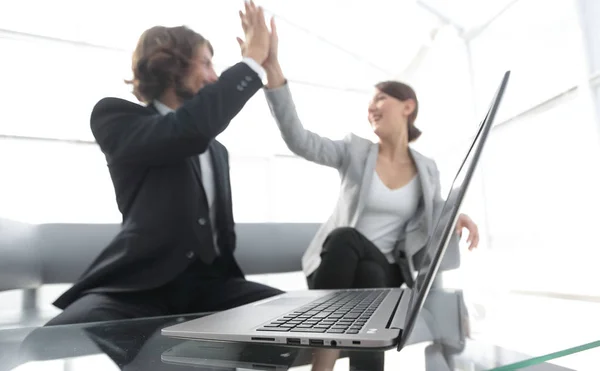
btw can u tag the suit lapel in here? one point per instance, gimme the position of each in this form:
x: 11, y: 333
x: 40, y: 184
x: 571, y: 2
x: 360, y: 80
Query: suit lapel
x: 367, y: 177
x: 219, y: 164
x: 196, y: 167
x: 427, y: 186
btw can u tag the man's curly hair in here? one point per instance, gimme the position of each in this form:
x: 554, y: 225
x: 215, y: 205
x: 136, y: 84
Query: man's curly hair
x: 162, y: 59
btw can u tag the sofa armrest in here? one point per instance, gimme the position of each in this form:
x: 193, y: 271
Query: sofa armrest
x: 20, y: 266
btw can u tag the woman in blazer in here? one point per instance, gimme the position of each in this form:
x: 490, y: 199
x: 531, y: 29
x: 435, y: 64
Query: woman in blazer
x: 389, y: 197
x: 390, y: 193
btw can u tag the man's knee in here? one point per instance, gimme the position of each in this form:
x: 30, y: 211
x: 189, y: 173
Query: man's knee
x: 70, y: 316
x: 259, y: 291
x: 88, y: 308
x: 237, y: 292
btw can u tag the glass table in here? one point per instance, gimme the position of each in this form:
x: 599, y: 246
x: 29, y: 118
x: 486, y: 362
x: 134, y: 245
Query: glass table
x: 139, y: 345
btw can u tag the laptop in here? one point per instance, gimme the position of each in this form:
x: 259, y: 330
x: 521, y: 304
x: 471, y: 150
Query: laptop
x: 354, y: 318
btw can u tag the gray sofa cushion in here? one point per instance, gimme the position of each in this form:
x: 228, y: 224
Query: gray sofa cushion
x: 32, y: 255
x: 272, y: 247
x: 67, y: 249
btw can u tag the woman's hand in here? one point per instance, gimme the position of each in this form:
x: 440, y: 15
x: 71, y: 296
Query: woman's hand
x: 271, y: 65
x: 257, y: 44
x: 272, y: 61
x: 465, y: 222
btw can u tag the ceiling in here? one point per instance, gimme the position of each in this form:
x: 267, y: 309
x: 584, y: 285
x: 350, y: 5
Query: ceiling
x: 332, y: 50
x: 347, y: 43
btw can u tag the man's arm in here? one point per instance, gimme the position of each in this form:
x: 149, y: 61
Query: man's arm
x: 130, y: 133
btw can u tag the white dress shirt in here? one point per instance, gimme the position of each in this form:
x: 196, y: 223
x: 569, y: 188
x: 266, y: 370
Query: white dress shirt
x: 256, y: 68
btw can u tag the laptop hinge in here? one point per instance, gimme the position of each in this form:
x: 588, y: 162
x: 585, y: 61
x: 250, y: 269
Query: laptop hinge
x: 399, y: 319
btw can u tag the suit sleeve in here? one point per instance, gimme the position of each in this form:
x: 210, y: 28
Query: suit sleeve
x: 232, y: 237
x: 300, y: 141
x: 130, y: 133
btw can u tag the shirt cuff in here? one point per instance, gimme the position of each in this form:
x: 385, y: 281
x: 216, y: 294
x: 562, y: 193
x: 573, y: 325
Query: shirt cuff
x: 256, y: 68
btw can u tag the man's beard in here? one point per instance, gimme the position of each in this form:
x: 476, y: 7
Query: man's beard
x: 184, y: 93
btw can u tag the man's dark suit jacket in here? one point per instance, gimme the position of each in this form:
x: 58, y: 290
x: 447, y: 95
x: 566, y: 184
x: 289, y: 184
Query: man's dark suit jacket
x: 154, y: 166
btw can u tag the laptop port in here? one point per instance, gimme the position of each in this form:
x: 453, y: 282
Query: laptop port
x: 315, y: 342
x: 356, y: 342
x: 262, y: 339
x: 293, y: 341
x: 333, y: 343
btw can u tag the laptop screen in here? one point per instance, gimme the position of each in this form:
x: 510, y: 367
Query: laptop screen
x: 446, y: 220
x: 445, y: 217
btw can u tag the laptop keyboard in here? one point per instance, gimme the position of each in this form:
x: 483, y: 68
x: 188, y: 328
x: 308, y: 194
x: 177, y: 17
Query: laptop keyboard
x: 341, y: 312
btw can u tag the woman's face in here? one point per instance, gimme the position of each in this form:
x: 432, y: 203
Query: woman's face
x: 389, y: 116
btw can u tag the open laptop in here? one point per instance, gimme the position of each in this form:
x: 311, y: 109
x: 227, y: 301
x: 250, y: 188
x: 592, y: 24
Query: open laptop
x: 356, y: 318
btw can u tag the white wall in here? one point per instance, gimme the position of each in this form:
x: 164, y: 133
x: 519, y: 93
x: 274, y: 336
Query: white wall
x: 540, y: 182
x: 535, y: 193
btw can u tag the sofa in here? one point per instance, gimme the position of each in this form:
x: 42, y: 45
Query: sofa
x: 32, y: 256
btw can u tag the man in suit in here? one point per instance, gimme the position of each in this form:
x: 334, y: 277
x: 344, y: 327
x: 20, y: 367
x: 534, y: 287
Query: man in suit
x: 174, y: 253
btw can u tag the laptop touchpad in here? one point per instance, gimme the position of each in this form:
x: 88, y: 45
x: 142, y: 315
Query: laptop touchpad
x: 287, y: 301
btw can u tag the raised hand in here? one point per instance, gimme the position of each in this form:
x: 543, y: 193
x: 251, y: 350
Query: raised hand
x: 272, y: 60
x: 256, y: 32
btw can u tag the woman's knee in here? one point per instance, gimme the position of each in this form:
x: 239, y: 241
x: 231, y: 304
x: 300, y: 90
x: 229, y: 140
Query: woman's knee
x: 369, y: 274
x: 340, y: 237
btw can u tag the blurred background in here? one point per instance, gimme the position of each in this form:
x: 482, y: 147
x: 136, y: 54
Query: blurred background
x: 535, y: 196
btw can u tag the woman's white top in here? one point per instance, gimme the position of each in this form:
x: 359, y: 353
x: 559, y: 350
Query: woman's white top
x: 387, y: 211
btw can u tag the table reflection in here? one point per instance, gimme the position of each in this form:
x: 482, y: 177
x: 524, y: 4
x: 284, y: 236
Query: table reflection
x: 440, y: 342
